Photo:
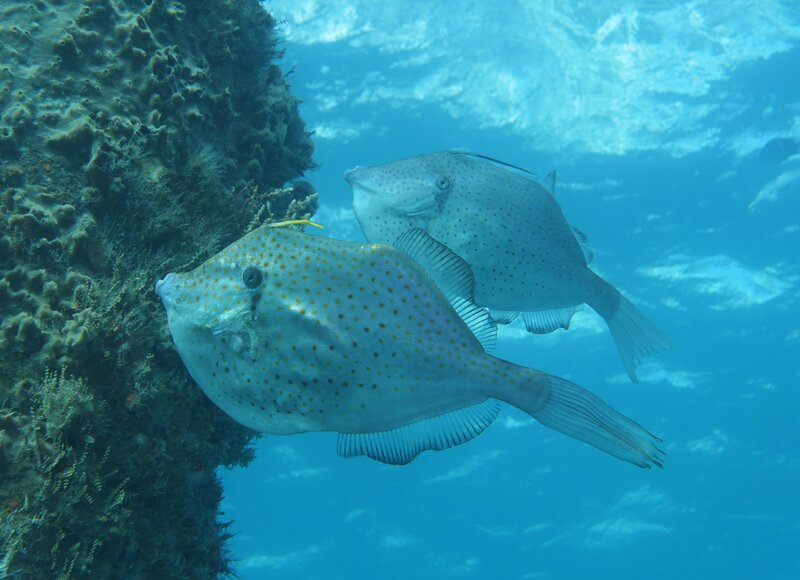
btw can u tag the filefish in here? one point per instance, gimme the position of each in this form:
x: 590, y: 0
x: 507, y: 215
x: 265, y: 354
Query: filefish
x: 292, y: 333
x: 528, y: 262
x: 779, y: 149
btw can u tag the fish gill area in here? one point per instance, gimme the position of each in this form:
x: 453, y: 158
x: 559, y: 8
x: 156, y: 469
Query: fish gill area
x: 137, y: 137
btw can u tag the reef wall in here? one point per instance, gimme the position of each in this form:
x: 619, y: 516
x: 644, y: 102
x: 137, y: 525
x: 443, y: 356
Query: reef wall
x: 136, y: 138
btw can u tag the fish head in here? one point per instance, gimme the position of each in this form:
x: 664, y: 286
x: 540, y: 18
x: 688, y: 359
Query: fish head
x: 212, y: 311
x: 392, y: 198
x: 213, y: 296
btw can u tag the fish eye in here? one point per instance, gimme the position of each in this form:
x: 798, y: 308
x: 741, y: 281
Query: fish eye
x: 252, y: 277
x: 443, y: 183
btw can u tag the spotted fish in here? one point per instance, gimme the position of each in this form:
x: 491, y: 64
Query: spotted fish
x: 291, y: 333
x: 528, y: 262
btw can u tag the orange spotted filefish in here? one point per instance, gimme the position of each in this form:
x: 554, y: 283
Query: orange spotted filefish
x: 528, y: 262
x: 291, y: 333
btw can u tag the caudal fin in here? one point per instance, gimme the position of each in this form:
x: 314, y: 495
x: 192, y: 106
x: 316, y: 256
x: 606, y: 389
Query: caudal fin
x: 578, y: 413
x: 636, y: 337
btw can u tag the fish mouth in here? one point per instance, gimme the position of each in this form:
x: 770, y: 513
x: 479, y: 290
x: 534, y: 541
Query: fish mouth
x: 351, y: 175
x: 362, y: 181
x: 172, y: 294
x: 167, y: 288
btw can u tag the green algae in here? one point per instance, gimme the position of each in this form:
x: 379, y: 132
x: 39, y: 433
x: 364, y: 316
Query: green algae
x: 136, y: 138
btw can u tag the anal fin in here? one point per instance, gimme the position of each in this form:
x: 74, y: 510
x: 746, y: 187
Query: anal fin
x: 544, y: 321
x: 400, y: 446
x: 503, y: 316
x: 537, y: 321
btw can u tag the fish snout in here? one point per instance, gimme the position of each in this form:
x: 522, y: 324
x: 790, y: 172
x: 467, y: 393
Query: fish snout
x: 351, y: 176
x: 167, y: 288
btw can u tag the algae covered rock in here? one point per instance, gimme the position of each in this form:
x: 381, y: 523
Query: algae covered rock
x: 136, y: 138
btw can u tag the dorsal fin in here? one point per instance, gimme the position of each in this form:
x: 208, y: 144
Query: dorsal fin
x: 493, y: 160
x: 454, y: 278
x: 582, y: 241
x: 579, y: 235
x: 549, y: 182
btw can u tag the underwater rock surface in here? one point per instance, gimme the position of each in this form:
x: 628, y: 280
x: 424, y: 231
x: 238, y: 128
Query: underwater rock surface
x: 135, y: 138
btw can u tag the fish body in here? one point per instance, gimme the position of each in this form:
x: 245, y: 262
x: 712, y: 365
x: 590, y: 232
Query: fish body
x: 290, y: 333
x: 336, y: 340
x: 528, y: 262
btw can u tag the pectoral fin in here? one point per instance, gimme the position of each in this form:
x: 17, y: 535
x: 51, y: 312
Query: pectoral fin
x: 455, y: 280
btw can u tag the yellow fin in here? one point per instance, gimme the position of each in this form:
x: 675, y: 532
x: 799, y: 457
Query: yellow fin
x: 295, y: 222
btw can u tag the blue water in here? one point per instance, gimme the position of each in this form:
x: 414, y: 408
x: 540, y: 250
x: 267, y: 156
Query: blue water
x: 654, y: 119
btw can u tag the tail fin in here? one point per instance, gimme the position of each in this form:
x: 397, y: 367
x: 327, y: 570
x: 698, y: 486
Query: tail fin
x: 578, y: 413
x: 635, y: 336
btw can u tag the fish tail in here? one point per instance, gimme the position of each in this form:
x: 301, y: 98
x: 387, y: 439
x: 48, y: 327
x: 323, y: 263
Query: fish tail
x: 634, y: 334
x: 574, y: 411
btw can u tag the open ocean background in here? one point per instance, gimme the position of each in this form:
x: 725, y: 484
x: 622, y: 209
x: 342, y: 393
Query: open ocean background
x: 655, y: 116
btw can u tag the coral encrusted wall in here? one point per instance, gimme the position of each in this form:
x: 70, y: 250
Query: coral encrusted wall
x: 136, y: 138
